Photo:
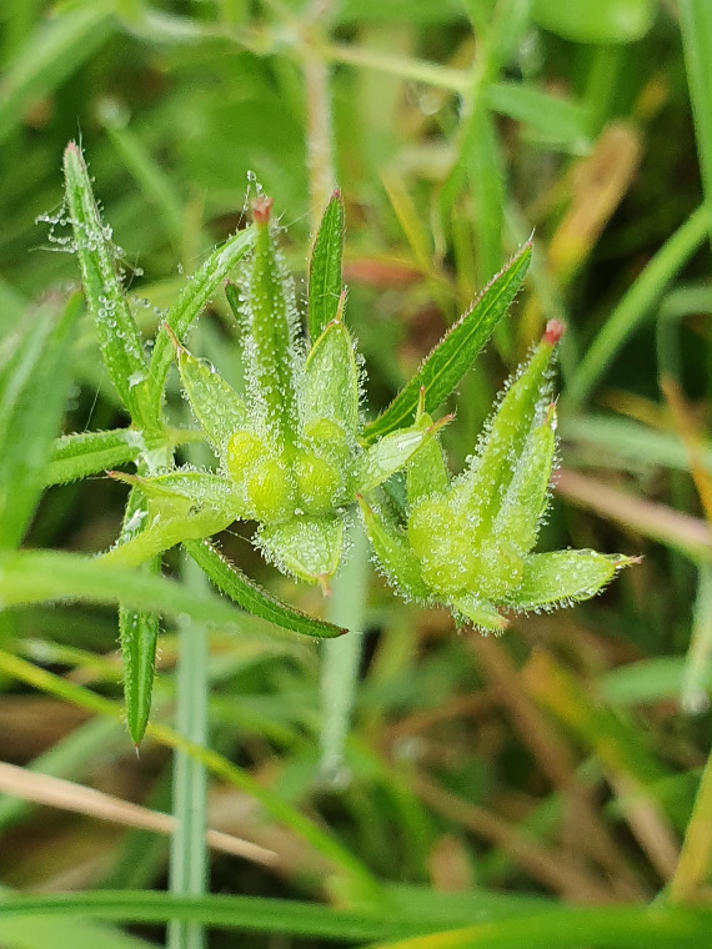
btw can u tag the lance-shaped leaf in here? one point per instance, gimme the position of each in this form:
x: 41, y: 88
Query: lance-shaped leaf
x: 446, y: 364
x: 563, y: 577
x: 138, y: 633
x: 325, y: 267
x: 190, y: 304
x: 267, y: 315
x: 480, y: 612
x: 78, y: 455
x: 33, y: 386
x: 395, y: 555
x: 215, y: 404
x: 523, y: 504
x: 330, y: 384
x: 308, y: 547
x: 117, y: 333
x: 252, y: 597
x: 482, y: 489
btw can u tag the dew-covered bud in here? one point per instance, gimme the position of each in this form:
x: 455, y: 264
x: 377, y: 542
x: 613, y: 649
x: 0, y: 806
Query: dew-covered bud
x: 269, y: 492
x: 244, y: 451
x: 318, y: 482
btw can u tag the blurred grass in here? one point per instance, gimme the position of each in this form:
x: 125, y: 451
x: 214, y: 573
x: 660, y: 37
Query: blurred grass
x: 564, y: 758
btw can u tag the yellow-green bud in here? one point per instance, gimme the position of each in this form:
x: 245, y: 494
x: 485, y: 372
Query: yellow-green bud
x: 269, y: 492
x: 244, y: 451
x: 318, y: 482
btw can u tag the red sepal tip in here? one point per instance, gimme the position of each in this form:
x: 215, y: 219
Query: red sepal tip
x: 553, y: 332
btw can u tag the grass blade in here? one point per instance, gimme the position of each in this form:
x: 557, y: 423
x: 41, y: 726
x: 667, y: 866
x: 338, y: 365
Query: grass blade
x: 32, y: 392
x: 35, y: 576
x: 252, y: 597
x: 446, y: 364
x: 696, y: 27
x: 325, y: 268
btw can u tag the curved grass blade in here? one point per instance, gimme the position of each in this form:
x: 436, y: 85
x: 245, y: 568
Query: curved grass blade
x: 37, y: 576
x: 76, y: 456
x: 325, y: 268
x: 444, y: 367
x: 119, y: 338
x: 32, y: 391
x: 194, y: 298
x: 252, y: 597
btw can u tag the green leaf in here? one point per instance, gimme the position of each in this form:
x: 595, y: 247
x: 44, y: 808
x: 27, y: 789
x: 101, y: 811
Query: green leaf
x: 330, y: 384
x: 188, y: 490
x: 138, y: 634
x: 394, y: 553
x: 193, y: 299
x: 482, y: 614
x: 252, y: 597
x: 308, y: 547
x: 559, y: 121
x: 35, y: 576
x: 266, y: 310
x: 564, y: 576
x: 33, y: 386
x: 215, y: 404
x: 596, y: 21
x: 79, y: 455
x: 446, y: 364
x: 325, y: 268
x: 119, y: 338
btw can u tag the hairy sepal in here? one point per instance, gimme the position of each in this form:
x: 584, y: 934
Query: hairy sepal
x: 330, y: 385
x: 215, y: 404
x: 308, y: 547
x: 390, y: 544
x: 564, y: 577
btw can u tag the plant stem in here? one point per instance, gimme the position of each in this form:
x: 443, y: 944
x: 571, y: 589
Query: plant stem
x: 188, y: 859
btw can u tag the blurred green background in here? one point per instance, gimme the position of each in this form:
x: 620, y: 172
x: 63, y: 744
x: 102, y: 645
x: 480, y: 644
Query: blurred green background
x: 564, y: 761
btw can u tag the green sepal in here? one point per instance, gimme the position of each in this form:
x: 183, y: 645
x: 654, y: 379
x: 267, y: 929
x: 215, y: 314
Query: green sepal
x: 524, y: 503
x: 266, y: 312
x: 179, y: 491
x: 395, y: 555
x: 427, y: 472
x: 481, y: 489
x: 387, y: 456
x: 215, y: 404
x: 308, y: 547
x: 325, y: 267
x: 119, y: 339
x: 443, y: 368
x: 330, y: 384
x: 252, y: 597
x: 481, y: 613
x: 563, y: 577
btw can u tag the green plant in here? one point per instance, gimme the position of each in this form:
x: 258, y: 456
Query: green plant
x: 294, y: 452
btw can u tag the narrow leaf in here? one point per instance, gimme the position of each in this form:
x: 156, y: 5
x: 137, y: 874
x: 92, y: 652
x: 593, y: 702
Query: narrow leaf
x: 32, y: 392
x: 696, y: 27
x: 119, y: 338
x: 252, y: 597
x: 564, y: 576
x: 444, y: 367
x: 76, y: 456
x: 196, y: 488
x: 325, y: 268
x: 194, y: 298
x: 138, y: 635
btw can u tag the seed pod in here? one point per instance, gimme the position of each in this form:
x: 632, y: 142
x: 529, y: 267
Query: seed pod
x: 483, y: 487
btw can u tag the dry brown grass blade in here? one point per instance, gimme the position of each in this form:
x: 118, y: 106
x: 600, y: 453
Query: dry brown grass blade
x: 690, y: 535
x: 550, y: 867
x: 68, y: 796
